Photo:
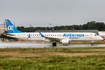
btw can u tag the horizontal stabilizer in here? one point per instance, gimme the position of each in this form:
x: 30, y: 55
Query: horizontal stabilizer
x: 8, y: 34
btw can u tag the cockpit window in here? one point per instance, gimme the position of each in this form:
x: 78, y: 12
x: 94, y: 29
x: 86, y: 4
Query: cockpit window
x: 95, y: 34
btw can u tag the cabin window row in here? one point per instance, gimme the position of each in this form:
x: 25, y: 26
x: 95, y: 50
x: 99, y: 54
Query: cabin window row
x: 45, y: 35
x: 48, y: 35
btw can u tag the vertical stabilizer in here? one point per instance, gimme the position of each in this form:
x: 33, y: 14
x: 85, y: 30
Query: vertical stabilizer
x: 10, y: 27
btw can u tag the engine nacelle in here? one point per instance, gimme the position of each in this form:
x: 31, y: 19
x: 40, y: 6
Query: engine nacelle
x: 65, y: 41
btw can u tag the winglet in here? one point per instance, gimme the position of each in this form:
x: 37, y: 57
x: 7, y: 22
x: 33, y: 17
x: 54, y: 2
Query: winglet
x: 41, y: 34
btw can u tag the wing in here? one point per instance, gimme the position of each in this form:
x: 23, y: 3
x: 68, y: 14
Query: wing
x: 51, y: 38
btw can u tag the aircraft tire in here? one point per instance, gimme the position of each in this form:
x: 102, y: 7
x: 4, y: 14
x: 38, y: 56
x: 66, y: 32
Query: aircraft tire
x: 54, y: 44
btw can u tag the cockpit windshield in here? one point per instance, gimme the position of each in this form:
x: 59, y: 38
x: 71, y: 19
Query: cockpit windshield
x: 95, y: 34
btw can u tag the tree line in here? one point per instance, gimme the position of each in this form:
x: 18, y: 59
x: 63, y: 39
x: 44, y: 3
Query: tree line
x: 89, y: 26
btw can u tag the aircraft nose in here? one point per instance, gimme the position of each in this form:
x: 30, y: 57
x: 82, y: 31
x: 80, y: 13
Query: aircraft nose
x: 101, y: 38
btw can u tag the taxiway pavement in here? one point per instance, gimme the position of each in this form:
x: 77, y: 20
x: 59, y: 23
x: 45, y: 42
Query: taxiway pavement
x: 42, y: 45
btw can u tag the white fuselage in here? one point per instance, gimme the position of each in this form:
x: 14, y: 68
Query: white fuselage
x: 74, y: 36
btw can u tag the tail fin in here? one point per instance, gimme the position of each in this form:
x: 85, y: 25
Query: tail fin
x: 10, y: 27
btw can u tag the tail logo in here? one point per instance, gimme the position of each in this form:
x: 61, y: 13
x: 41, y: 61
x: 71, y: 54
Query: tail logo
x: 10, y: 27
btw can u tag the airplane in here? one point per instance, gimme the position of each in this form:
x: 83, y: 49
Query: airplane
x: 54, y: 37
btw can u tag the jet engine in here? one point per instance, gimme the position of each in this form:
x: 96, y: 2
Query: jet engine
x: 65, y: 41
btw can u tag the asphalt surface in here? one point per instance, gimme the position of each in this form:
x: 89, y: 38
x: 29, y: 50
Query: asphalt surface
x: 42, y: 45
x: 23, y: 45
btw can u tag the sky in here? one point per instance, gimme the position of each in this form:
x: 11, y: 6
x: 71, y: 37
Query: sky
x: 42, y: 13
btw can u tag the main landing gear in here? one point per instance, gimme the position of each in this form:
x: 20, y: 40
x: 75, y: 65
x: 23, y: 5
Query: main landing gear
x: 92, y: 43
x: 54, y: 44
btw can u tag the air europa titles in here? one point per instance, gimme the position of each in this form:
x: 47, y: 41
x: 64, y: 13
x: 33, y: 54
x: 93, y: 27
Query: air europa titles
x: 73, y: 36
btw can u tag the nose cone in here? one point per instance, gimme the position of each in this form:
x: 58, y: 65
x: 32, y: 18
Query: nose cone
x: 101, y: 38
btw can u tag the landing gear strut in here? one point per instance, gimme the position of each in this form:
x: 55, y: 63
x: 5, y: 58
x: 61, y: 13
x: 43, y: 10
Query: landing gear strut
x: 54, y: 44
x: 92, y: 43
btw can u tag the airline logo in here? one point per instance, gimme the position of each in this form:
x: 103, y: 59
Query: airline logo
x: 73, y: 36
x: 10, y: 27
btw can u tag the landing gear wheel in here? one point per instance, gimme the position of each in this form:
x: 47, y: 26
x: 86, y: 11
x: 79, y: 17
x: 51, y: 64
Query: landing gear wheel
x: 92, y: 43
x: 54, y: 44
